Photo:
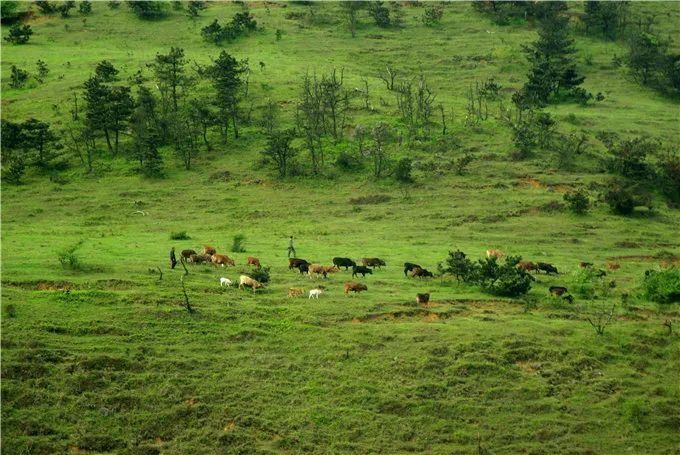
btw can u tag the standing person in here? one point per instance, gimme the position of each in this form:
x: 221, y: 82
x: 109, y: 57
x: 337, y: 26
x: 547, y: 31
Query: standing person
x: 291, y: 247
x: 173, y: 259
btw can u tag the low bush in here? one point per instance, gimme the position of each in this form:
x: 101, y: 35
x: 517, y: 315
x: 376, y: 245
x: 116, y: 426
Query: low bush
x: 261, y: 274
x: 68, y: 257
x: 578, y: 201
x: 585, y: 283
x: 402, y: 172
x: 664, y: 286
x: 623, y: 197
x: 237, y: 245
x: 182, y: 235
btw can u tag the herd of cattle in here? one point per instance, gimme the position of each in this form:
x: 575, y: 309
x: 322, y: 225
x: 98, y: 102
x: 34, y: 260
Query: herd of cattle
x: 209, y: 256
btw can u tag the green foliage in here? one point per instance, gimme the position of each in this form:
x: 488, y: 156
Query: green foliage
x: 114, y: 4
x: 629, y: 157
x: 68, y: 257
x: 42, y: 70
x: 65, y: 8
x: 238, y: 244
x: 45, y: 7
x: 18, y: 77
x: 504, y: 280
x: 402, y: 171
x: 194, y: 8
x: 663, y: 286
x: 623, y: 196
x: 432, y: 15
x: 10, y: 310
x: 85, y: 7
x: 226, y: 74
x: 181, y: 235
x: 668, y: 176
x: 607, y: 19
x: 15, y: 169
x: 241, y: 24
x: 577, y: 201
x: 280, y: 152
x: 458, y: 265
x: 348, y: 162
x: 261, y: 274
x: 106, y: 71
x: 461, y: 164
x: 379, y: 13
x: 148, y: 10
x: 19, y: 34
x: 586, y: 282
x: 8, y: 11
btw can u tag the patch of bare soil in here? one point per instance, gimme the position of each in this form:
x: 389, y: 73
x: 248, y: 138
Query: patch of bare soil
x: 42, y: 285
x: 419, y: 313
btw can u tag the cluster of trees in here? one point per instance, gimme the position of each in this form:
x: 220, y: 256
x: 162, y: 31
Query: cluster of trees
x: 19, y: 77
x: 240, y: 24
x: 31, y: 142
x: 504, y: 279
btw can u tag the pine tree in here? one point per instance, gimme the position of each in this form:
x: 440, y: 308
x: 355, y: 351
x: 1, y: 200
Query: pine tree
x: 225, y: 74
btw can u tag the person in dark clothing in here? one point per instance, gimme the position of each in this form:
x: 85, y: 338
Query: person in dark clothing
x: 173, y: 259
x: 291, y: 248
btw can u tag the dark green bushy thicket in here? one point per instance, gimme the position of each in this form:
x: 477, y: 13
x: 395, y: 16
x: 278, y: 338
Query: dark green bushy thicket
x: 664, y: 286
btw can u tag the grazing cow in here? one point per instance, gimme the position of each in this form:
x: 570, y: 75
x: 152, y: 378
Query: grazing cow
x: 421, y: 273
x: 569, y: 298
x: 357, y: 269
x: 244, y: 280
x: 422, y: 298
x: 294, y: 263
x: 547, y: 268
x: 585, y: 265
x: 317, y: 269
x: 557, y: 290
x: 527, y: 266
x: 491, y: 253
x: 225, y: 282
x: 208, y: 250
x: 186, y: 254
x: 355, y: 287
x: 222, y: 260
x: 303, y: 268
x: 373, y: 262
x: 295, y: 292
x: 408, y: 266
x: 344, y: 262
x: 613, y: 265
x: 199, y: 258
x: 331, y: 268
x: 252, y: 260
x: 315, y: 293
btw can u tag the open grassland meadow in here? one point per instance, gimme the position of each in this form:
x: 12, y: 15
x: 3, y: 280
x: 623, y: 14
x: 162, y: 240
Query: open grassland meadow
x: 521, y: 157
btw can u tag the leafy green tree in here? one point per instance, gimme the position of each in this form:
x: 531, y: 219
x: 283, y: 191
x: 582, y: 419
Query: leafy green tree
x: 45, y: 7
x: 65, y: 8
x: 106, y: 71
x: 195, y: 7
x: 309, y: 117
x: 553, y: 72
x: 279, y: 150
x: 16, y: 167
x: 380, y: 13
x: 623, y: 196
x: 148, y: 10
x: 145, y: 134
x: 646, y: 56
x: 36, y: 136
x: 170, y: 75
x: 382, y: 135
x: 202, y: 114
x: 433, y: 14
x: 186, y: 137
x: 606, y: 18
x: 43, y: 70
x: 226, y: 74
x: 629, y: 157
x: 402, y: 171
x: 458, y: 265
x: 108, y: 109
x: 668, y: 176
x: 19, y: 34
x: 350, y: 10
x: 578, y: 201
x: 8, y: 11
x: 18, y: 77
x: 85, y: 7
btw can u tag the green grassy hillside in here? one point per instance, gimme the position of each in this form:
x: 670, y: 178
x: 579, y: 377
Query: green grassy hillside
x: 105, y: 359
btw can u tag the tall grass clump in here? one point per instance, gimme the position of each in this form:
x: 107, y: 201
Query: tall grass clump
x: 68, y: 257
x: 238, y: 245
x: 182, y: 235
x: 664, y: 286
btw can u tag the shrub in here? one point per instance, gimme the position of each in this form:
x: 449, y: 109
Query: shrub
x: 578, y: 201
x: 348, y: 162
x: 461, y: 164
x: 15, y: 169
x: 402, y: 173
x: 68, y: 257
x: 19, y: 34
x: 261, y: 274
x: 182, y: 235
x: 664, y: 286
x: 10, y: 310
x: 504, y: 280
x: 379, y: 13
x: 458, y: 265
x: 18, y: 77
x: 106, y: 71
x: 668, y: 176
x: 585, y: 282
x: 147, y: 10
x: 623, y: 197
x: 238, y: 244
x: 433, y: 15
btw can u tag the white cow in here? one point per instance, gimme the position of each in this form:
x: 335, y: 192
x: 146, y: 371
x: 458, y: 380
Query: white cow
x: 315, y: 293
x: 225, y: 282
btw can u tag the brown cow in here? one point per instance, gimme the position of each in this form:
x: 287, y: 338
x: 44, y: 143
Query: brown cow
x: 421, y: 273
x: 494, y: 253
x: 222, y: 260
x: 355, y: 287
x: 207, y: 249
x: 331, y: 268
x: 295, y: 292
x: 527, y: 266
x: 585, y: 265
x: 613, y: 265
x: 294, y: 263
x: 252, y: 260
x: 244, y: 280
x: 422, y: 298
x: 199, y: 258
x: 317, y: 269
x: 373, y: 262
x: 186, y: 254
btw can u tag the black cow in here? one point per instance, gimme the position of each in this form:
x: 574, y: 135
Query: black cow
x: 295, y: 263
x: 344, y: 262
x: 304, y: 268
x: 421, y: 273
x: 408, y: 266
x: 547, y: 268
x: 357, y: 269
x: 557, y: 290
x: 373, y: 262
